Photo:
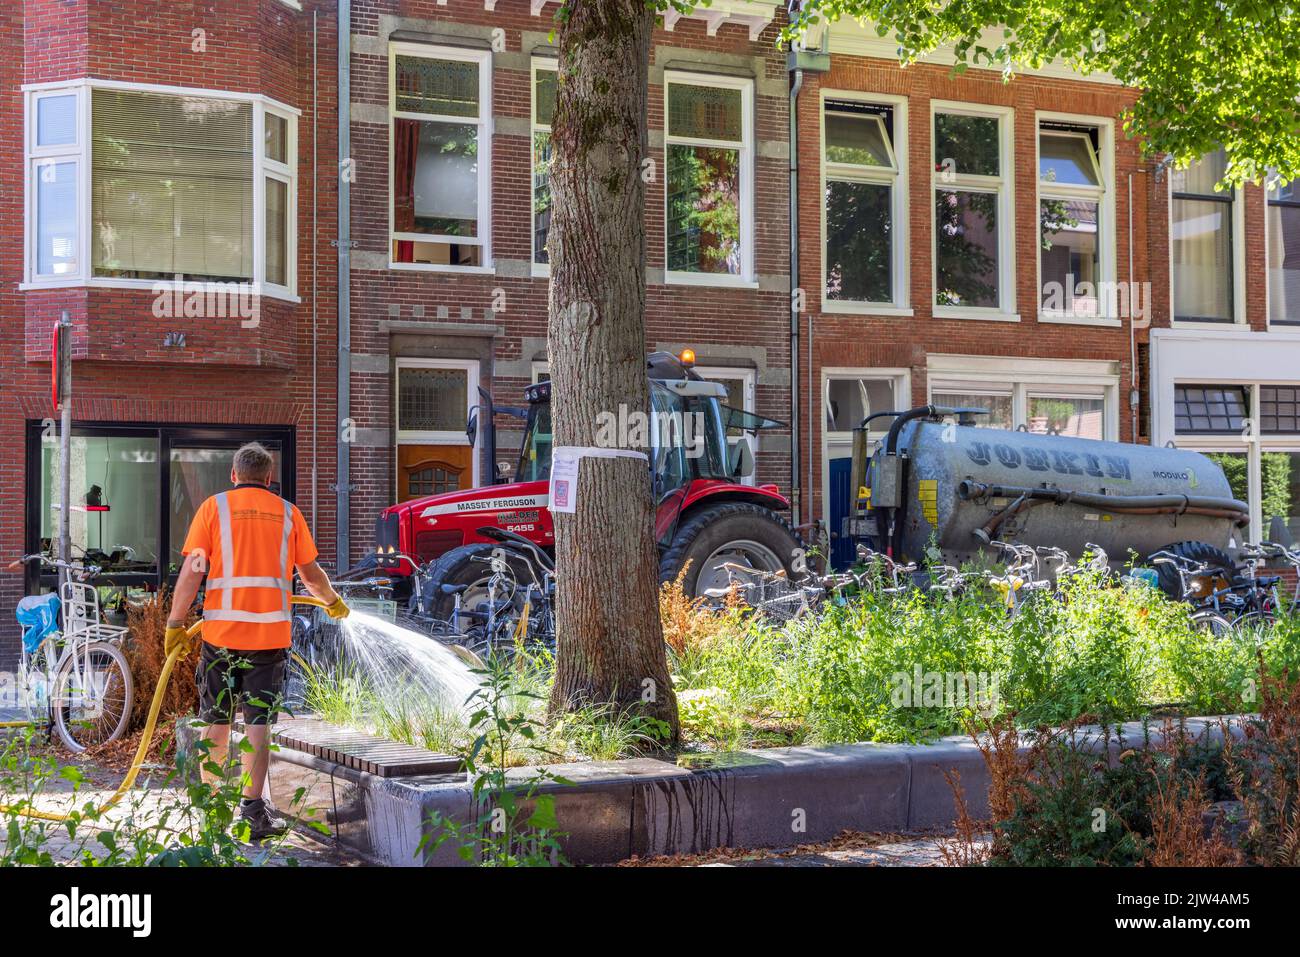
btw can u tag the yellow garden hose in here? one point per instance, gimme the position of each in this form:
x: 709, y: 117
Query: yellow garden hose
x: 150, y: 723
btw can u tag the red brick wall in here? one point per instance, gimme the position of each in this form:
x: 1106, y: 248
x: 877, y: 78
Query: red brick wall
x: 122, y: 372
x: 712, y: 321
x: 878, y: 341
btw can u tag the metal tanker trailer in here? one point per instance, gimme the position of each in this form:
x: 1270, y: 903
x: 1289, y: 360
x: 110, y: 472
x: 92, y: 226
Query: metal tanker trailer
x: 937, y: 479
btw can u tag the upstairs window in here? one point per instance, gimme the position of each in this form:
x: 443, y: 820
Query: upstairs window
x: 1284, y: 255
x: 708, y: 205
x: 173, y: 186
x: 439, y: 111
x: 544, y: 84
x: 862, y: 214
x: 1074, y: 245
x: 1201, y: 255
x: 973, y: 221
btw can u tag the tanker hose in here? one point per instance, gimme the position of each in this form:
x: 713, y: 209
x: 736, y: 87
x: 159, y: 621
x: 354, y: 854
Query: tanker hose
x: 1178, y: 504
x: 146, y: 737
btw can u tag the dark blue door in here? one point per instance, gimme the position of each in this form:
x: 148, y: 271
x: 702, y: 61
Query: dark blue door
x: 840, y: 492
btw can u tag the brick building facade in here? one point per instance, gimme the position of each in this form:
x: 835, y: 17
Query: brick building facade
x: 201, y: 139
x: 141, y: 141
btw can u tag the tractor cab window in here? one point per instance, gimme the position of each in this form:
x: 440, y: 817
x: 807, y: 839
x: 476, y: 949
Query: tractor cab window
x: 535, y: 456
x: 669, y: 439
x: 711, y: 452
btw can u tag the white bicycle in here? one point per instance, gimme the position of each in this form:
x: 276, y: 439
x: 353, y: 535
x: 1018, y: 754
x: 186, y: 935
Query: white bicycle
x: 72, y: 673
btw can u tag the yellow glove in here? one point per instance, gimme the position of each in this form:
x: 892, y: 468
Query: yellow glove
x: 178, y: 637
x: 338, y: 609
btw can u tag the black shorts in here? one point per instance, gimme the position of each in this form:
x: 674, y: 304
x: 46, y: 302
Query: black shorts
x: 251, y: 682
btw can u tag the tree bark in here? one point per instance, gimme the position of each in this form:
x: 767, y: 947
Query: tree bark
x: 610, y: 644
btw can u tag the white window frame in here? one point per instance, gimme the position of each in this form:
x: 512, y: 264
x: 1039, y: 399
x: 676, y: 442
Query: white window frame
x: 1238, y: 227
x: 900, y: 204
x: 441, y: 437
x: 1282, y: 325
x: 81, y: 154
x: 1103, y: 196
x: 747, y: 379
x: 1251, y: 441
x: 539, y: 368
x: 841, y: 441
x: 284, y: 173
x: 1022, y: 377
x: 747, y: 278
x: 1003, y: 186
x: 539, y: 64
x: 485, y: 128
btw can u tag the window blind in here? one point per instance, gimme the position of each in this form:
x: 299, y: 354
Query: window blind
x: 172, y: 186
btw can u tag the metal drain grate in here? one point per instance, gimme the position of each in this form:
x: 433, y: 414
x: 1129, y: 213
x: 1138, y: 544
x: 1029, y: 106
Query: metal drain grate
x: 361, y: 751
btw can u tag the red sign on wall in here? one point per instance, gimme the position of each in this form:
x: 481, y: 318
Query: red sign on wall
x: 61, y: 340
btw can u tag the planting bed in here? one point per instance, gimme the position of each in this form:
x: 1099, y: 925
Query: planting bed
x: 613, y: 810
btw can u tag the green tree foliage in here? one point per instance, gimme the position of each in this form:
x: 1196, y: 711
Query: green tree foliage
x: 1209, y: 72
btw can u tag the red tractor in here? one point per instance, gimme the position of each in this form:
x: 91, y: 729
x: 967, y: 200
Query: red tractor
x: 705, y: 517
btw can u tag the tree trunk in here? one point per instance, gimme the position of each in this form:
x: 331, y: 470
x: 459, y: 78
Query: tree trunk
x: 610, y: 640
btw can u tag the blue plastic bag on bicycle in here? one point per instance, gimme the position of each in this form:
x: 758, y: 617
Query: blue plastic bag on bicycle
x: 39, y: 616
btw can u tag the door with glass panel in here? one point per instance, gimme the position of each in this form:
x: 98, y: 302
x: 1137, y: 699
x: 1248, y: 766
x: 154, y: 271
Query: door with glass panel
x: 848, y: 397
x: 434, y: 397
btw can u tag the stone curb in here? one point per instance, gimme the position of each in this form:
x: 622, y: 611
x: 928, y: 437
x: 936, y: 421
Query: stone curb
x: 612, y: 810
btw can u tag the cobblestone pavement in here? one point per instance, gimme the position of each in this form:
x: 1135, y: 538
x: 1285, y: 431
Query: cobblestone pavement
x: 922, y: 852
x: 848, y: 849
x: 145, y: 806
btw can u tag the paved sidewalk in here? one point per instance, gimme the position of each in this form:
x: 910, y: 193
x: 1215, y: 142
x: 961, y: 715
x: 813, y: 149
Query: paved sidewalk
x: 147, y: 806
x: 922, y: 852
x: 848, y: 849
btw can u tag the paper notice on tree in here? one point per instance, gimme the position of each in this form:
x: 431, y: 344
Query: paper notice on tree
x: 565, y: 462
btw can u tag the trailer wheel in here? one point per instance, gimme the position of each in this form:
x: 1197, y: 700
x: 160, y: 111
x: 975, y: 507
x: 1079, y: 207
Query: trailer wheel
x: 466, y: 565
x: 736, y: 532
x: 1192, y: 551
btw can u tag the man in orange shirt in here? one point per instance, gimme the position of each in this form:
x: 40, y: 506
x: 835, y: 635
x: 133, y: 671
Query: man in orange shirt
x: 247, y: 542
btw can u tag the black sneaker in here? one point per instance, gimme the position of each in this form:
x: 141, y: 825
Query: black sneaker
x: 262, y: 820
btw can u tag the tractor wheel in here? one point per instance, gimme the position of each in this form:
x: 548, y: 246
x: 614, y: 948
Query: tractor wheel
x: 467, y: 565
x: 1195, y: 552
x: 736, y: 532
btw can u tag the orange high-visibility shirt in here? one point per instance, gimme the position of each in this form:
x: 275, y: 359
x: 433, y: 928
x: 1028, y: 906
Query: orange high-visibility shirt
x: 249, y: 539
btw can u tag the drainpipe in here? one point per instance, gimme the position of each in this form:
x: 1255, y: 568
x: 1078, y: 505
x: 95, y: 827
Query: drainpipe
x: 315, y: 258
x: 1134, y: 392
x: 796, y: 496
x: 343, y: 483
x: 798, y: 62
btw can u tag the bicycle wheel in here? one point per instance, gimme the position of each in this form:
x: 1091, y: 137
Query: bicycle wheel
x: 1211, y: 623
x: 92, y: 695
x: 34, y: 682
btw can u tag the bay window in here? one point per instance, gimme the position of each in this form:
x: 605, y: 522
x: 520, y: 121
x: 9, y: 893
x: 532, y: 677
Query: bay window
x: 709, y: 179
x: 864, y: 213
x: 131, y: 184
x: 974, y: 271
x: 439, y: 114
x: 1201, y: 242
x: 1284, y: 255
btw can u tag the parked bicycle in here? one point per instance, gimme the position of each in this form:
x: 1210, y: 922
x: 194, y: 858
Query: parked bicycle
x: 72, y: 673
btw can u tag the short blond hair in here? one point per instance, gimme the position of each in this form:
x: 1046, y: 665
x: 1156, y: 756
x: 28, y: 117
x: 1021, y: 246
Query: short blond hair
x: 253, y: 463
